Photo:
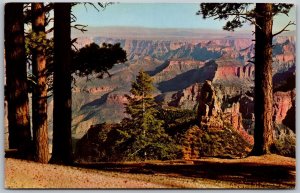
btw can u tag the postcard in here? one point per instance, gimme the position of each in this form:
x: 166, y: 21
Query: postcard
x: 154, y: 95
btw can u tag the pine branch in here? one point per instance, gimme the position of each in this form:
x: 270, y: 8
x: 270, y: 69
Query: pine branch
x: 110, y: 75
x: 105, y: 4
x: 80, y: 27
x: 48, y: 21
x: 251, y: 21
x: 27, y: 6
x: 251, y: 61
x: 49, y: 30
x: 284, y: 28
x: 101, y: 5
x: 75, y: 48
x: 73, y: 18
x: 93, y: 5
x: 49, y: 7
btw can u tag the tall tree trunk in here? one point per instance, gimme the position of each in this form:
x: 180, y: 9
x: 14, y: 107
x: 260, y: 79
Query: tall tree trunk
x: 16, y: 81
x: 39, y: 94
x: 62, y: 142
x: 263, y: 133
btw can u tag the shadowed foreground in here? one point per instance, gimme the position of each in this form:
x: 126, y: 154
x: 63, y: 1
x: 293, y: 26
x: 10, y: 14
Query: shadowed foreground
x: 270, y: 171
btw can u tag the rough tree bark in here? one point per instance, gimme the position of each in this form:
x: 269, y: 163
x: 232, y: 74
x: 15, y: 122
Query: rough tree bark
x: 39, y: 94
x: 16, y: 81
x: 263, y: 133
x: 62, y: 142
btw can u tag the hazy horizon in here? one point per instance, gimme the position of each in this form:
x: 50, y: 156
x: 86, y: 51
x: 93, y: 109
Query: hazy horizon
x: 161, y: 16
x: 162, y: 33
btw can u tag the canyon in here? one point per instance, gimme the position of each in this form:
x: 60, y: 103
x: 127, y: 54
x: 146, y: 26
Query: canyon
x: 179, y: 68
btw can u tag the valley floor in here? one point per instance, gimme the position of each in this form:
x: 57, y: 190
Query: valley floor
x: 270, y: 172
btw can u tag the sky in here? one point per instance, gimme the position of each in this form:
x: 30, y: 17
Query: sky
x: 158, y: 15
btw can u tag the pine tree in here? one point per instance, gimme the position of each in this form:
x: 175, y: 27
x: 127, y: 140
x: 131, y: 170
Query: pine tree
x: 62, y: 96
x: 39, y: 94
x: 261, y: 15
x: 143, y: 134
x: 16, y: 81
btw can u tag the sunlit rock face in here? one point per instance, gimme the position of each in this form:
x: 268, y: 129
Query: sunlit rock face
x: 209, y: 102
x: 213, y: 117
x: 283, y: 102
x: 187, y: 98
x: 228, y: 68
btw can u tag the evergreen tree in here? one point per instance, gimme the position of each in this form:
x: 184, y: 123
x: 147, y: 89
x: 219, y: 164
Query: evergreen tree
x: 62, y: 96
x: 261, y: 15
x: 143, y: 136
x: 39, y: 93
x: 16, y: 81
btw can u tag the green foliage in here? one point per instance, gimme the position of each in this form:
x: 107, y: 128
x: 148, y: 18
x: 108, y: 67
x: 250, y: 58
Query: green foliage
x: 94, y: 145
x: 236, y: 14
x: 177, y: 121
x: 224, y: 10
x: 93, y: 59
x: 89, y: 60
x: 285, y: 144
x: 148, y: 140
x: 281, y: 8
x: 213, y: 143
x: 141, y: 102
x: 142, y: 135
x: 39, y: 41
x: 173, y: 114
x: 35, y: 40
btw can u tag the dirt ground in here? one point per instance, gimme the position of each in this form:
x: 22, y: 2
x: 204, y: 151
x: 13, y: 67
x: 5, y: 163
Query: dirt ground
x: 268, y: 172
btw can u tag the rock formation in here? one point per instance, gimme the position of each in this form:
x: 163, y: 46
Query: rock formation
x: 212, y: 117
x: 290, y: 119
x: 209, y: 103
x: 246, y: 106
x: 187, y: 98
x: 283, y: 102
x: 176, y: 67
x: 209, y: 109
